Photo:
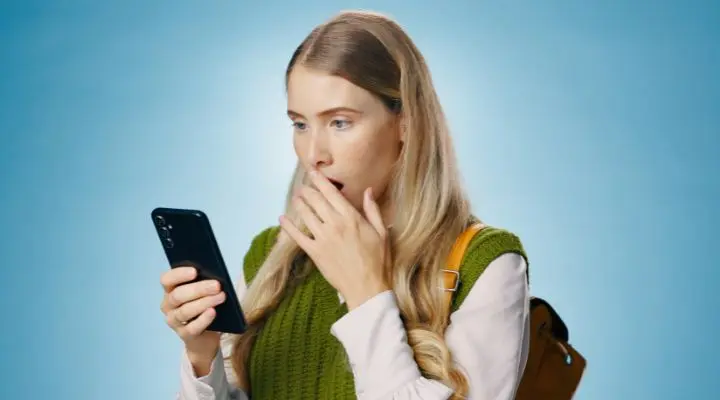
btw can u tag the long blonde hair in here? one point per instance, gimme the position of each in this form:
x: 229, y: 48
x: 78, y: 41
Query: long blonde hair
x: 430, y: 207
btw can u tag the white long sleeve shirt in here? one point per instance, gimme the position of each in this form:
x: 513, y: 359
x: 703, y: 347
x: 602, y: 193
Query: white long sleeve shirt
x: 487, y: 336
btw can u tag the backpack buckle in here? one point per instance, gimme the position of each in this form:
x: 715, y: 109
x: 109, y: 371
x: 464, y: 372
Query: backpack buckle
x: 455, y: 286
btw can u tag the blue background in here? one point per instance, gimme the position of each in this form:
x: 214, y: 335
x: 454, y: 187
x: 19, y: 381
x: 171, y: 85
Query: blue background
x: 591, y: 130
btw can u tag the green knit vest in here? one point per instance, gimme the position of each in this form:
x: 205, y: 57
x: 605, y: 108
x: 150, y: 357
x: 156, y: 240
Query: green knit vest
x: 296, y: 357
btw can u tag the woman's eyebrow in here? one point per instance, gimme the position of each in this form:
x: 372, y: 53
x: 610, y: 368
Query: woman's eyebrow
x: 295, y: 114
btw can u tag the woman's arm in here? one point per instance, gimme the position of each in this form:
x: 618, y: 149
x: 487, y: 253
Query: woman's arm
x: 213, y: 386
x: 219, y: 383
x: 487, y: 337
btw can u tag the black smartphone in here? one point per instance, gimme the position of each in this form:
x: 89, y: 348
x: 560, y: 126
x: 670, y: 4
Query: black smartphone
x: 188, y: 240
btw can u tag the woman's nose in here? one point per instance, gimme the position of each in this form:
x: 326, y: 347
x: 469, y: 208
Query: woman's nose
x: 318, y: 151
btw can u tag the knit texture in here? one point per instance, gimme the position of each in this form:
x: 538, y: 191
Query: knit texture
x: 487, y: 245
x: 296, y: 357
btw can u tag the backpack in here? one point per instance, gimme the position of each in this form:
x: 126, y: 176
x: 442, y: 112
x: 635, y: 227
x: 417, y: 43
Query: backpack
x: 554, y: 368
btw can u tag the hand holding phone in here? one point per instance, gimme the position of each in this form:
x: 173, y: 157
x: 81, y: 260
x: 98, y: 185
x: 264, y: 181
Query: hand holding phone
x: 199, y: 292
x: 186, y: 299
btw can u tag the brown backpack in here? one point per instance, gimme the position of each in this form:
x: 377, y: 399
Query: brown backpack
x: 554, y: 368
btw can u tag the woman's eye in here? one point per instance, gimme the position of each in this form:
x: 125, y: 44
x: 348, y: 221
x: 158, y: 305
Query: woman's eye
x: 299, y: 126
x: 341, y: 123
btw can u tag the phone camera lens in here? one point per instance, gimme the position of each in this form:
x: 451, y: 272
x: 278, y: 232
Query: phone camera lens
x: 164, y: 232
x: 168, y: 243
x: 159, y: 220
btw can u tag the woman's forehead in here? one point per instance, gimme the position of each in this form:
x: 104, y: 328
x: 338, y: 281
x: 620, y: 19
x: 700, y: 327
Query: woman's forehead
x: 311, y: 92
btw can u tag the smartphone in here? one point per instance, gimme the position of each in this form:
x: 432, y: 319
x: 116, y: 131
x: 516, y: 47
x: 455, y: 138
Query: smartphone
x: 188, y: 240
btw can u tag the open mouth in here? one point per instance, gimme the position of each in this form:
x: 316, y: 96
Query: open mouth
x: 337, y: 184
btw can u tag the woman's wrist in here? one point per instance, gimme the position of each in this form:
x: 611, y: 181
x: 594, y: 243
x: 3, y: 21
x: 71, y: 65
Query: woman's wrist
x: 201, y: 362
x: 355, y: 300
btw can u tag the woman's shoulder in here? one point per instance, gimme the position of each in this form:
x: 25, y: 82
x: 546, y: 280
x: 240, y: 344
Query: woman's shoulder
x: 491, y: 241
x: 265, y: 237
x: 260, y: 246
x: 489, y: 244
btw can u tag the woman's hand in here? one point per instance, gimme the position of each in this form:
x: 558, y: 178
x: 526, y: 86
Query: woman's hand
x: 189, y: 309
x: 349, y: 249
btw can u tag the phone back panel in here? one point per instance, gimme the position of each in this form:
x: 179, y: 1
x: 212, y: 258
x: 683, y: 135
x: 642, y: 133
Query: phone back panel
x: 188, y: 240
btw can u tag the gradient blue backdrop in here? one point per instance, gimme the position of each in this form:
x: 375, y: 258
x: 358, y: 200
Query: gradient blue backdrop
x: 591, y: 130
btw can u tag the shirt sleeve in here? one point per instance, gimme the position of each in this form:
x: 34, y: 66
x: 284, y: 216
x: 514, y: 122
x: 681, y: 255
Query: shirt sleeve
x: 487, y: 336
x: 219, y: 383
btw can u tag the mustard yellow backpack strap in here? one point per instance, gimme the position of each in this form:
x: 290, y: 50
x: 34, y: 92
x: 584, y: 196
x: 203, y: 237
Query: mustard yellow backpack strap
x: 451, y: 274
x: 554, y: 368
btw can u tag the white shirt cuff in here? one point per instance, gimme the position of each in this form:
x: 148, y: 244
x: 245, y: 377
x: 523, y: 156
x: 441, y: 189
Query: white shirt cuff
x: 212, y: 386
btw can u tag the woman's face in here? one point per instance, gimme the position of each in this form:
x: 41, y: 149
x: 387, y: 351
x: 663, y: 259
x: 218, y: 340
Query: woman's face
x: 344, y: 131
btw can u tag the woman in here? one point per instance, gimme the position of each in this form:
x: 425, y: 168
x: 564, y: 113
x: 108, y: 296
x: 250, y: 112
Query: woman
x: 344, y: 297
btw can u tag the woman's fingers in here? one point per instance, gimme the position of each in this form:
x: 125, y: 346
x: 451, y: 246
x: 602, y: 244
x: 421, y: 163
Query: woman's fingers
x: 296, y: 234
x: 184, y: 315
x: 199, y: 324
x: 330, y: 192
x: 176, y: 276
x: 317, y: 203
x: 191, y: 291
x: 308, y: 215
x: 171, y: 279
x: 373, y: 214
